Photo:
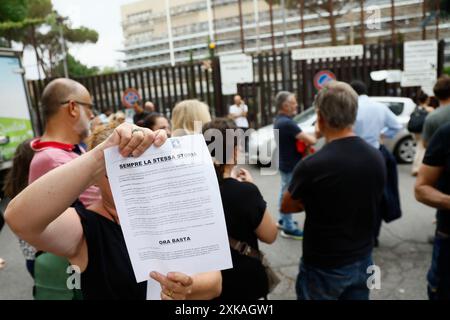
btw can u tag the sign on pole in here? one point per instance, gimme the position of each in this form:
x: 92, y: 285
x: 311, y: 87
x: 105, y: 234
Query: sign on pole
x: 322, y: 78
x: 130, y: 97
x: 328, y: 52
x: 420, y: 63
x: 235, y: 69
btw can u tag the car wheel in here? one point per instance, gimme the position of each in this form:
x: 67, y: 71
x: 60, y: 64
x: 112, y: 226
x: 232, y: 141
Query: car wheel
x: 405, y: 150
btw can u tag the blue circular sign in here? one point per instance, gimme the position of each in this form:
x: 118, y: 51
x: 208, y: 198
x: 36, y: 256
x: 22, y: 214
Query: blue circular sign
x: 322, y: 78
x: 130, y: 97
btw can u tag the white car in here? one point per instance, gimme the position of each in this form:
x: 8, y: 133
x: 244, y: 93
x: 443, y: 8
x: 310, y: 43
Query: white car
x: 403, y: 145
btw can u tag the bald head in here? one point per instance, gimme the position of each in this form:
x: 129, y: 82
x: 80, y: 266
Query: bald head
x: 58, y: 91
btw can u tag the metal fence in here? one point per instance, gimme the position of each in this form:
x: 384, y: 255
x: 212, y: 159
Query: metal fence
x: 270, y: 77
x: 167, y: 85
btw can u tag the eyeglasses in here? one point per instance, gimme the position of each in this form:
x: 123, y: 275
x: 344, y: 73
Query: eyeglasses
x: 90, y: 106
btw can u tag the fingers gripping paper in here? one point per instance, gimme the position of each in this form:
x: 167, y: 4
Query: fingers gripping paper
x: 170, y: 209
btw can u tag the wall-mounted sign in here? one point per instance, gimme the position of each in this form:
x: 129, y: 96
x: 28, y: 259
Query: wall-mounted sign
x: 420, y: 63
x: 328, y: 52
x: 235, y: 69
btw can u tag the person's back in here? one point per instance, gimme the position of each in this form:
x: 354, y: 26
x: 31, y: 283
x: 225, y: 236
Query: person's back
x: 434, y: 121
x: 244, y: 209
x: 369, y: 130
x: 373, y: 120
x: 440, y: 116
x: 340, y: 188
x: 345, y: 181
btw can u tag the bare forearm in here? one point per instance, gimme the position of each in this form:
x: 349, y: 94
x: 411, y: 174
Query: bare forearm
x: 49, y: 196
x: 432, y: 197
x: 206, y: 286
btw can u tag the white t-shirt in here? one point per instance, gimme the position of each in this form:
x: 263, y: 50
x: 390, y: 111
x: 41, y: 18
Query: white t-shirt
x: 242, y: 121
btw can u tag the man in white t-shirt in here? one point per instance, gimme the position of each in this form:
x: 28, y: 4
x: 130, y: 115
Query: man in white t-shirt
x: 238, y: 112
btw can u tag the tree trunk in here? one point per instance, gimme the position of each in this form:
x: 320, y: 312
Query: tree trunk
x: 424, y: 16
x: 332, y: 22
x: 394, y: 40
x: 38, y: 60
x: 302, y: 21
x: 363, y: 25
x: 271, y: 26
x: 438, y: 9
x: 241, y: 23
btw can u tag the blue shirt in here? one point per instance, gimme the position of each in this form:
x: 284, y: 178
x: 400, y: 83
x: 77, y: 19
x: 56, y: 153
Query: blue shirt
x: 375, y: 119
x: 288, y: 129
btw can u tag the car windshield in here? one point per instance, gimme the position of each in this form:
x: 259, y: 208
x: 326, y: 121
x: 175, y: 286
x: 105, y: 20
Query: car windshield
x: 305, y: 116
x: 396, y: 107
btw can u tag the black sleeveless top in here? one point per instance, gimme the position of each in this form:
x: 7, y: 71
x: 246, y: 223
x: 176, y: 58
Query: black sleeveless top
x: 109, y: 274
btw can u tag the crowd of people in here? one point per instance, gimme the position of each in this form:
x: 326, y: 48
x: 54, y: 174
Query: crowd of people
x: 346, y: 190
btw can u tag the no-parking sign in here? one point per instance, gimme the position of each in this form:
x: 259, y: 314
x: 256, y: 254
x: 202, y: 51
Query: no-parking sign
x: 130, y: 97
x: 322, y: 78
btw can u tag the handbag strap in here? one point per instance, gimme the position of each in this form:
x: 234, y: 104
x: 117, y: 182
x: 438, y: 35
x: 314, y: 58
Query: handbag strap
x: 245, y: 249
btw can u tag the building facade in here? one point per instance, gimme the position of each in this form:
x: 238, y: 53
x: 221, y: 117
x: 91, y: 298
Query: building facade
x: 193, y: 27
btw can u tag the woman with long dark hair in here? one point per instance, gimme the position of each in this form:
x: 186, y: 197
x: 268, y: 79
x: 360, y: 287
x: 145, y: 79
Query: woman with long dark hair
x: 246, y: 216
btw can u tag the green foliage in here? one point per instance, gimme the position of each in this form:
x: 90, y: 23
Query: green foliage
x: 108, y: 70
x: 447, y: 70
x: 13, y: 10
x: 75, y: 68
x: 39, y: 8
x: 45, y: 41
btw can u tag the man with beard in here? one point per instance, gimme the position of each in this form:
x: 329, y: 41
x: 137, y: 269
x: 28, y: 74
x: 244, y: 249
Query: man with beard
x: 67, y: 110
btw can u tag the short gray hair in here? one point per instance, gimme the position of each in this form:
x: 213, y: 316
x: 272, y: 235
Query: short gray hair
x: 337, y: 102
x: 281, y: 98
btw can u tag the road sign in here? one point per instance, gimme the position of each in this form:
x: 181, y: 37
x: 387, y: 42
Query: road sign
x: 130, y: 97
x: 322, y: 78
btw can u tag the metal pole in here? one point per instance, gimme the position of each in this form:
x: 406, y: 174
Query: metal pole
x: 169, y: 30
x: 210, y: 21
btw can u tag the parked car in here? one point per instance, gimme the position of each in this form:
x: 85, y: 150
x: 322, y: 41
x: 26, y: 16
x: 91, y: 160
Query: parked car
x: 402, y: 145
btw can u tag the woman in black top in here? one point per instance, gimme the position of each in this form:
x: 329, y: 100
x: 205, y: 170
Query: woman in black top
x: 92, y: 238
x: 246, y: 216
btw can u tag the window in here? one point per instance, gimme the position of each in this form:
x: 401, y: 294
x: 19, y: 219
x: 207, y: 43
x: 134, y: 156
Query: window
x: 396, y: 107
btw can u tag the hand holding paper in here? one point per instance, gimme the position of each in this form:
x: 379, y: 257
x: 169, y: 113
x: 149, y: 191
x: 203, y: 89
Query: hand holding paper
x: 170, y: 209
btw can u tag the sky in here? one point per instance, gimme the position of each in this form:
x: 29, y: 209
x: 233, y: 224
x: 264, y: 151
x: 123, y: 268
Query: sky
x: 100, y: 15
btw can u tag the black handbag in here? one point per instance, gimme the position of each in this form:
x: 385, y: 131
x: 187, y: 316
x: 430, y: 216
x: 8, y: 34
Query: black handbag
x: 417, y: 120
x: 245, y: 249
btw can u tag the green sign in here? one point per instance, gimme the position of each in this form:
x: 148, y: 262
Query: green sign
x: 15, y: 122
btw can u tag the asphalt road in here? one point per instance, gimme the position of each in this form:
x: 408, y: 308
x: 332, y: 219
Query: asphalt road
x: 403, y: 256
